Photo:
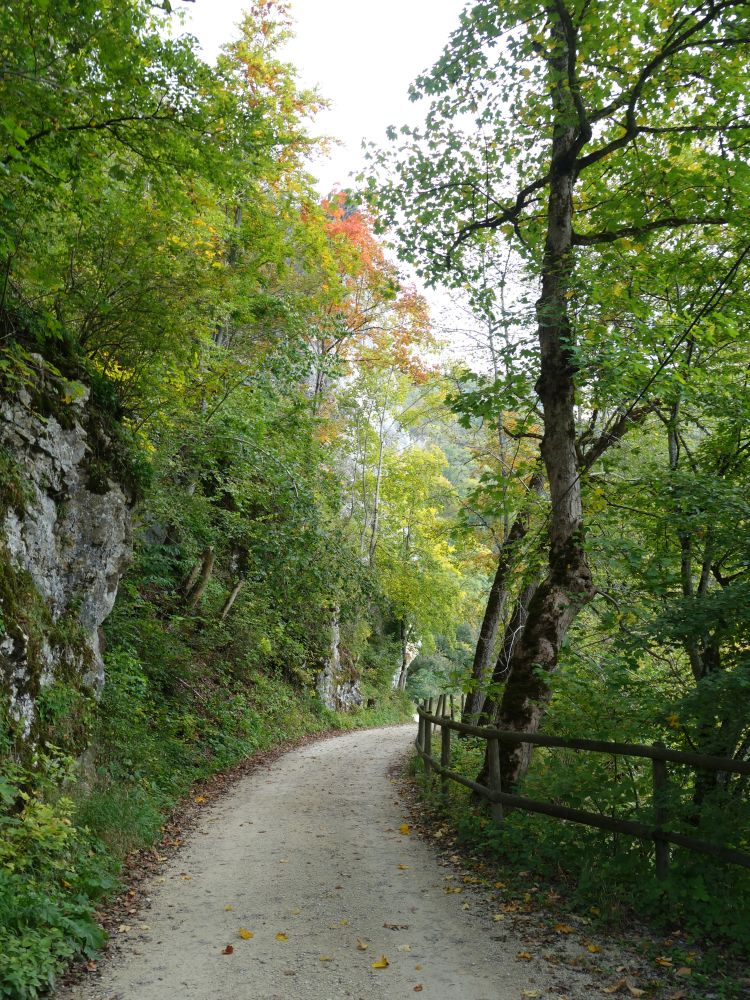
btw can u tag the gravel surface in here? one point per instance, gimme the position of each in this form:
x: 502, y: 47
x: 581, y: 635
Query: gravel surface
x: 309, y: 856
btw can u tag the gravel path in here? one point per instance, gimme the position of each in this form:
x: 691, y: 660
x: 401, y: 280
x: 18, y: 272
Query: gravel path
x: 308, y: 857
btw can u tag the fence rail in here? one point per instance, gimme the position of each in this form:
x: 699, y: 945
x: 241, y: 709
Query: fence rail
x: 493, y: 793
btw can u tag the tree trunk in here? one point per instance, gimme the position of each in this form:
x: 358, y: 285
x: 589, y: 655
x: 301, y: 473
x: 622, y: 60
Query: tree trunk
x: 514, y: 628
x: 501, y: 672
x: 568, y: 586
x: 232, y: 598
x: 481, y: 667
x: 194, y: 594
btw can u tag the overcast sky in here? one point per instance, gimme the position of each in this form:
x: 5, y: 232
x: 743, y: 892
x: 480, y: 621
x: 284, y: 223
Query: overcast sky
x: 362, y: 56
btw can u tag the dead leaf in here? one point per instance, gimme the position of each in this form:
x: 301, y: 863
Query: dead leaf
x: 403, y: 867
x: 594, y: 948
x: 615, y: 987
x: 418, y: 968
x: 418, y: 988
x: 498, y: 916
x: 684, y: 970
x: 530, y: 993
x: 404, y: 947
x: 404, y: 828
x: 664, y: 962
x: 199, y: 798
x: 362, y: 945
x: 282, y: 937
x: 525, y: 955
x: 381, y: 963
x: 229, y: 908
x: 325, y: 958
x: 563, y: 928
x: 229, y: 950
x: 245, y: 934
x: 634, y: 991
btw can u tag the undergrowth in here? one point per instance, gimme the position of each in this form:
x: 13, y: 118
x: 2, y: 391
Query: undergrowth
x: 699, y: 916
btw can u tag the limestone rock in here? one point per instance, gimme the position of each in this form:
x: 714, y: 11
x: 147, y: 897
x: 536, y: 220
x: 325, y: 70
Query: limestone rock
x: 63, y: 549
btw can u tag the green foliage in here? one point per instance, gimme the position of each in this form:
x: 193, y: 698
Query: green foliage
x: 51, y: 874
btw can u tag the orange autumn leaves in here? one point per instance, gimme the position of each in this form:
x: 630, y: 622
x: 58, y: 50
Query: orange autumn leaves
x: 375, y: 319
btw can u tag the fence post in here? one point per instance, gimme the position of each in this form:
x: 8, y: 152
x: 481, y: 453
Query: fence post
x: 445, y: 757
x: 660, y: 780
x: 428, y: 747
x: 453, y: 709
x: 494, y: 782
x: 420, y: 733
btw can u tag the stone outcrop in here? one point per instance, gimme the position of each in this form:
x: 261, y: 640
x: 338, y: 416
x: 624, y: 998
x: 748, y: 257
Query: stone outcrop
x: 65, y: 540
x: 338, y: 682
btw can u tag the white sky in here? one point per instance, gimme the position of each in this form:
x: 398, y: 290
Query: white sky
x: 361, y: 55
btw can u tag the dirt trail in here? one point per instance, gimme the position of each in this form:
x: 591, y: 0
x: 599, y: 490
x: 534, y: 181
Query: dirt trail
x: 310, y: 848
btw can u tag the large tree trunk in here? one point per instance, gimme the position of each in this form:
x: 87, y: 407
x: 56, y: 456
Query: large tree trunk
x: 511, y: 635
x: 481, y: 668
x: 513, y: 630
x: 568, y: 586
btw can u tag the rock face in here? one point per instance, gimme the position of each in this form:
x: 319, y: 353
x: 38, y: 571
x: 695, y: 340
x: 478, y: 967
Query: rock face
x: 65, y: 540
x: 338, y: 682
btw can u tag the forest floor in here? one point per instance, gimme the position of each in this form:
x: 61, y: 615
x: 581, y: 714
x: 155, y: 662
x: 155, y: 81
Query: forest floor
x: 306, y: 880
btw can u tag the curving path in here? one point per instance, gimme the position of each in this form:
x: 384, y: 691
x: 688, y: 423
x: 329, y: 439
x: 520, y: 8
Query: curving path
x: 310, y: 849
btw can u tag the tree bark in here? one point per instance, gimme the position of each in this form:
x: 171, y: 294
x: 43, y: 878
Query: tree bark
x: 481, y: 667
x: 194, y: 594
x: 568, y: 586
x: 232, y: 598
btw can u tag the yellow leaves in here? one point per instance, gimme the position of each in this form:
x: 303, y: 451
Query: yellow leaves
x: 664, y: 962
x: 624, y: 984
x: 403, y: 868
x: 229, y: 908
x: 200, y: 799
x: 380, y: 963
x: 524, y: 956
x: 405, y: 829
x: 498, y: 916
x: 563, y: 929
x: 245, y: 934
x: 594, y: 948
x: 673, y: 721
x: 326, y: 958
x: 530, y: 993
x: 281, y: 936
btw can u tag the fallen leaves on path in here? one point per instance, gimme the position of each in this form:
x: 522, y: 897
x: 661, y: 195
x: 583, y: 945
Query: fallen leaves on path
x: 381, y: 963
x: 245, y: 934
x: 404, y: 828
x: 229, y: 950
x: 624, y: 984
x: 362, y: 945
x: 282, y: 937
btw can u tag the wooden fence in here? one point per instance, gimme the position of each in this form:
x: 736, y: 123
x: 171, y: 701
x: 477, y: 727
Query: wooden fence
x: 433, y: 717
